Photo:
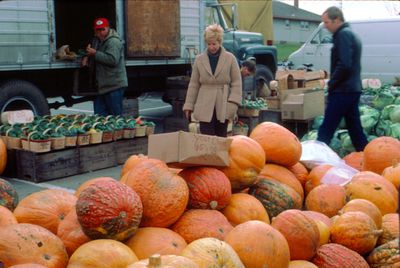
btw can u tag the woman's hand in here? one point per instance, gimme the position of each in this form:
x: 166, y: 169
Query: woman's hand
x: 188, y: 113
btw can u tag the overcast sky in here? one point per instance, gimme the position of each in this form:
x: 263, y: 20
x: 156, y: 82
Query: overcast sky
x: 353, y: 9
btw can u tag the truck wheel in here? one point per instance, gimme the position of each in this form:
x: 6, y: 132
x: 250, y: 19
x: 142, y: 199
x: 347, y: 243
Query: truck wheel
x: 263, y: 72
x: 18, y: 95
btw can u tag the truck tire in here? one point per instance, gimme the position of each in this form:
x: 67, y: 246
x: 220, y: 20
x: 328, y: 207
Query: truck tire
x: 19, y: 94
x: 263, y: 72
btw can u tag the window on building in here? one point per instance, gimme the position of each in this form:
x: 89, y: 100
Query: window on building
x: 304, y: 25
x: 287, y: 24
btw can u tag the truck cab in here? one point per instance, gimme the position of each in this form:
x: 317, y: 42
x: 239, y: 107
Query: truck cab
x: 242, y: 44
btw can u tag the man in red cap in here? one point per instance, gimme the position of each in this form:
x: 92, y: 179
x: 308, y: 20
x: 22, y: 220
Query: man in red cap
x: 108, y: 57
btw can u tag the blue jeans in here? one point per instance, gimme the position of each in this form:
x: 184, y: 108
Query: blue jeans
x: 109, y: 103
x: 343, y: 105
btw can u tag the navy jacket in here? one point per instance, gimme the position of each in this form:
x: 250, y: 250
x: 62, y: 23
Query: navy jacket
x: 345, y: 62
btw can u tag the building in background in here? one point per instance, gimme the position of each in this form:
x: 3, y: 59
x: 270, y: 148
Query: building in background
x: 292, y: 24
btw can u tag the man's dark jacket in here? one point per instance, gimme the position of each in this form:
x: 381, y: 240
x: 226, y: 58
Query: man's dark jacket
x: 345, y: 61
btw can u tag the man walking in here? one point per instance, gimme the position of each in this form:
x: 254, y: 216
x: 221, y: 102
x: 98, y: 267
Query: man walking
x: 344, y: 86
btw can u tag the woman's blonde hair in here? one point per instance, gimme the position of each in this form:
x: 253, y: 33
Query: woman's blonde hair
x: 214, y: 32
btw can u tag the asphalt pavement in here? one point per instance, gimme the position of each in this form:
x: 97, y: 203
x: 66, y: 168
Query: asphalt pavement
x: 151, y: 107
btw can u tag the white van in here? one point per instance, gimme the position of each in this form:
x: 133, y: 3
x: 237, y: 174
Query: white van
x: 380, y: 49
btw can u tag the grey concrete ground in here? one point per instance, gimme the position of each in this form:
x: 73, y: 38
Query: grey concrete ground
x: 150, y: 107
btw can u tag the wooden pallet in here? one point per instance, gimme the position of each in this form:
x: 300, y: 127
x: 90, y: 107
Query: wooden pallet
x: 39, y: 167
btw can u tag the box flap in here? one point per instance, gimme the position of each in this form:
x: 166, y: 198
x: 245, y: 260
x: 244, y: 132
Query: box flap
x: 164, y: 146
x: 203, y: 149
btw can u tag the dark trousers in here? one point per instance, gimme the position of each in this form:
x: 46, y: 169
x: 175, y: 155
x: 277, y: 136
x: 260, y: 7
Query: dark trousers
x: 215, y: 127
x: 343, y: 105
x: 109, y: 103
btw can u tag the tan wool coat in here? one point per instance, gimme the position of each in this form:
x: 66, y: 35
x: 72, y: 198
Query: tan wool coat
x: 221, y: 90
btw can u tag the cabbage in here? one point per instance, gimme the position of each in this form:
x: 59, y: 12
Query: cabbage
x: 335, y: 143
x: 347, y: 144
x: 311, y: 135
x: 382, y: 99
x: 385, y: 114
x: 369, y: 117
x: 383, y: 128
x: 395, y: 114
x: 397, y: 101
x: 317, y: 122
x: 395, y: 130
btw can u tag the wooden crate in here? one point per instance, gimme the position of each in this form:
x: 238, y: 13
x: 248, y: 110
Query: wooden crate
x: 125, y: 148
x: 298, y: 127
x: 251, y: 122
x: 38, y: 167
x: 270, y: 115
x: 96, y: 157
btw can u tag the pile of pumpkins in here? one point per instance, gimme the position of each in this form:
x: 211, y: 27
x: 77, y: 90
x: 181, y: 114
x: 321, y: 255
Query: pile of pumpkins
x: 266, y: 209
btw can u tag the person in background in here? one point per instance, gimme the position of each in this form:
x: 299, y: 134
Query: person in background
x: 248, y: 72
x: 215, y: 88
x: 344, y: 86
x: 111, y: 78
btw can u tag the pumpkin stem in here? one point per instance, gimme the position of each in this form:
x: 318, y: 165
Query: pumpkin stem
x: 154, y: 261
x: 213, y: 204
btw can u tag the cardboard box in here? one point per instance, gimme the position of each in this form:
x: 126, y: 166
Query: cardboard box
x: 189, y: 149
x: 273, y: 102
x: 301, y: 104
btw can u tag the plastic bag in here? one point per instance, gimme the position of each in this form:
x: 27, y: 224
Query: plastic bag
x: 316, y: 153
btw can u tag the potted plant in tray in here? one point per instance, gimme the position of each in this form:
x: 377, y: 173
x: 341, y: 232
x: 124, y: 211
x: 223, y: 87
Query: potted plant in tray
x: 129, y: 129
x: 38, y: 142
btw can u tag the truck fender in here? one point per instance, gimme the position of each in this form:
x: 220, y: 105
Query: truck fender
x: 20, y: 94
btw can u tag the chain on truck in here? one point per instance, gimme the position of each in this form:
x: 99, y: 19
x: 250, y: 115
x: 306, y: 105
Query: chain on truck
x: 161, y: 40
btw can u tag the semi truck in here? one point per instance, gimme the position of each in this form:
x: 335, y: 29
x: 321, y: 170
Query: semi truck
x: 161, y: 39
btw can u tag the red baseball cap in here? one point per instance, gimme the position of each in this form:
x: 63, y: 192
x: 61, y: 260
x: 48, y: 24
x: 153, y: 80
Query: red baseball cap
x: 100, y: 23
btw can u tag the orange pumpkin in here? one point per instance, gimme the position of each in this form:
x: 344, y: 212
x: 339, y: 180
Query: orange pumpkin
x: 132, y: 161
x: 381, y: 153
x: 244, y: 207
x: 164, y: 195
x: 356, y: 231
x: 368, y: 175
x: 319, y: 217
x: 390, y: 228
x: 327, y: 199
x: 354, y: 159
x: 199, y: 223
x: 300, y: 171
x: 392, y: 174
x: 3, y: 156
x: 212, y: 252
x: 102, y: 253
x: 109, y: 209
x: 246, y: 159
x: 280, y: 145
x: 259, y: 245
x: 209, y: 188
x: 46, y: 208
x: 337, y: 256
x: 365, y: 206
x: 28, y: 243
x: 71, y: 233
x: 370, y: 186
x: 164, y: 261
x: 6, y: 217
x: 284, y: 175
x: 90, y: 182
x: 317, y: 173
x: 302, y: 264
x: 28, y: 265
x: 151, y: 240
x: 8, y: 195
x: 300, y: 231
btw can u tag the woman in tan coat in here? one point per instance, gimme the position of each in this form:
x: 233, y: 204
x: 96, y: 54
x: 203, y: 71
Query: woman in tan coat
x: 215, y: 87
